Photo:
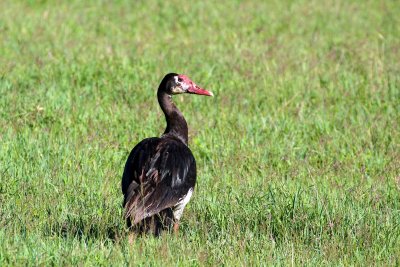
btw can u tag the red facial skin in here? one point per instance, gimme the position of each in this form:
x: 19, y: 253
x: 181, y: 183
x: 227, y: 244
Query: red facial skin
x: 193, y: 88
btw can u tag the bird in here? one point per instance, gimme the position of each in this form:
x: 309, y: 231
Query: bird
x: 160, y: 173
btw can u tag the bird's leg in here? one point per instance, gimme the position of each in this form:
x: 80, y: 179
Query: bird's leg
x: 176, y: 228
x: 131, y: 238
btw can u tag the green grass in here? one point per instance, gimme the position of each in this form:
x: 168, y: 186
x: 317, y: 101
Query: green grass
x: 298, y: 152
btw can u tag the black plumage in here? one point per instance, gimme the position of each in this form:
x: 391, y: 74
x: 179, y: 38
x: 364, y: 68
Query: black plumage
x: 160, y: 172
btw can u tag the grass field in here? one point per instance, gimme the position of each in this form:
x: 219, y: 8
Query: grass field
x: 298, y: 153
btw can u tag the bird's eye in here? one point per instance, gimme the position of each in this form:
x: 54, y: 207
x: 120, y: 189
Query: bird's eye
x: 180, y: 79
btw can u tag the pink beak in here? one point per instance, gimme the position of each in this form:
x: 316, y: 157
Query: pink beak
x: 194, y: 89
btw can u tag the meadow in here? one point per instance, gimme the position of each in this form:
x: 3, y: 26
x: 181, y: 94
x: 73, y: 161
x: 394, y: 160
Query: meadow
x: 298, y: 152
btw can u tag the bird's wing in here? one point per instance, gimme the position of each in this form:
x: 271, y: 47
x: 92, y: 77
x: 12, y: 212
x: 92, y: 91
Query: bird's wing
x: 161, y: 172
x: 137, y: 159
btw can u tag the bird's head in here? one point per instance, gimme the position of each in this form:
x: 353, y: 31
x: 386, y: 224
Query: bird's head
x: 180, y: 84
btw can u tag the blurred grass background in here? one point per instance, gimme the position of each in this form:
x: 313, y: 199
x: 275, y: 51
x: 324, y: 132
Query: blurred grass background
x: 297, y: 153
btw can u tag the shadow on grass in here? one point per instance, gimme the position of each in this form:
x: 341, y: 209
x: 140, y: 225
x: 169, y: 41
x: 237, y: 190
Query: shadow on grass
x: 77, y: 227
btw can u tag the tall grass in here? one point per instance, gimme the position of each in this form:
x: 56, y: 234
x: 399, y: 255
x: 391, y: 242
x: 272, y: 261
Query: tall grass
x: 298, y: 152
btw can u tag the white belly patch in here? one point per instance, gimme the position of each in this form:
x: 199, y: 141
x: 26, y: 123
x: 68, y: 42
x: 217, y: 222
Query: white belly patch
x: 178, y: 208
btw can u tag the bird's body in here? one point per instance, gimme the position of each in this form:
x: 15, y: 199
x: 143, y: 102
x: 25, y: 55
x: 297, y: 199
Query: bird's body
x: 164, y: 174
x: 160, y: 172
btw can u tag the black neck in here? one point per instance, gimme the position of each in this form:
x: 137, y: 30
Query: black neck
x: 176, y: 123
